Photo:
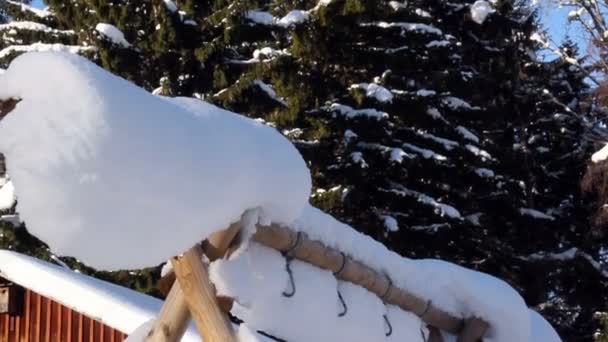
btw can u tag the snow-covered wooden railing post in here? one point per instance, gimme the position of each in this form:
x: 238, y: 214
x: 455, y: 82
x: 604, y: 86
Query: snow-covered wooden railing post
x: 193, y: 278
x: 175, y: 313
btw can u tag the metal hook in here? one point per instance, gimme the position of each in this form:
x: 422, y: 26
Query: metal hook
x: 291, y: 281
x: 429, y: 303
x: 390, y: 327
x: 344, y: 307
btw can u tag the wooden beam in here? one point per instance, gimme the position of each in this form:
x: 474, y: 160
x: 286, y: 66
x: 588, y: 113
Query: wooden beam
x: 193, y: 278
x: 174, y: 316
x: 172, y: 322
x: 346, y: 268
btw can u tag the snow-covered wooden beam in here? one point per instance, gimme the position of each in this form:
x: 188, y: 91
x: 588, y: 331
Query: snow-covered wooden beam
x: 193, y: 279
x: 347, y: 269
x: 174, y: 316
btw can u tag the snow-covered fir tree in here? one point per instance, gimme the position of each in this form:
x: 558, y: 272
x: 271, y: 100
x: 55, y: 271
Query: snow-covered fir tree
x: 429, y: 125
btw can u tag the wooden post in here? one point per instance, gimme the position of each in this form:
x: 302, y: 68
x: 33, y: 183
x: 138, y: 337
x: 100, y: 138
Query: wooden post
x: 173, y: 319
x: 174, y: 316
x: 193, y: 278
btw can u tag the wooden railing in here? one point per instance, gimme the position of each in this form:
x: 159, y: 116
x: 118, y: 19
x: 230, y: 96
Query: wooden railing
x: 209, y: 312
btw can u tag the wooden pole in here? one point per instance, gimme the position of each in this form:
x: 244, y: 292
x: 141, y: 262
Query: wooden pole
x: 347, y: 269
x: 173, y: 319
x: 193, y: 278
x: 174, y: 316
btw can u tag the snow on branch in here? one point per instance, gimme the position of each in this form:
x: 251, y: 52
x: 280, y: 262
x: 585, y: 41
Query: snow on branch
x: 42, y: 47
x: 441, y: 208
x: 33, y: 26
x: 567, y: 255
x: 406, y: 27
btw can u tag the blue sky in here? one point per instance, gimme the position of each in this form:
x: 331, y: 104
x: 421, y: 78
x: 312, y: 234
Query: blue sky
x: 555, y: 19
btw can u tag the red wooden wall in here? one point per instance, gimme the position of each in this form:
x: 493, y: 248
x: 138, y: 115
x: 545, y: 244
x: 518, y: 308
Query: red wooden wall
x: 44, y: 320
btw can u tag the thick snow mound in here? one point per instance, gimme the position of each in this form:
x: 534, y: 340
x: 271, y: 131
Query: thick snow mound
x: 256, y: 278
x: 119, y: 178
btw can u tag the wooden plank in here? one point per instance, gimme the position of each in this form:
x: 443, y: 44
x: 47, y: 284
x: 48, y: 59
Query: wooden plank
x: 174, y: 316
x: 173, y: 319
x: 27, y: 313
x: 193, y: 278
x: 47, y: 320
x: 38, y: 322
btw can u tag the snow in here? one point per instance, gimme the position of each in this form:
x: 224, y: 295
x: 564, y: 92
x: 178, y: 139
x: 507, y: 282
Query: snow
x: 465, y: 133
x: 390, y: 223
x: 425, y: 92
x: 112, y: 33
x: 357, y: 158
x: 456, y: 103
x: 541, y: 329
x: 42, y: 47
x: 480, y: 11
x: 441, y: 208
x: 99, y: 162
x: 484, y: 173
x: 425, y: 153
x: 397, y: 155
x: 438, y: 43
x: 261, y: 17
x: 376, y: 91
x: 264, y: 18
x: 7, y: 196
x: 269, y: 90
x: 352, y: 113
x: 115, y: 306
x: 256, y: 277
x: 535, y: 214
x: 447, y: 143
x: 171, y: 6
x: 294, y: 17
x: 31, y: 26
x: 405, y: 26
x: 478, y: 152
x: 600, y: 155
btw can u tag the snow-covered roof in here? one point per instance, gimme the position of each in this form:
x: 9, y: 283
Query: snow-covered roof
x: 115, y: 306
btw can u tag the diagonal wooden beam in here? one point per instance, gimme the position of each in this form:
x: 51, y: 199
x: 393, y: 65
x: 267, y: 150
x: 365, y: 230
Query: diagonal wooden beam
x: 174, y: 316
x: 193, y: 278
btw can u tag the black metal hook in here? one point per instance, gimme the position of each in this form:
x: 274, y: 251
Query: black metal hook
x: 291, y: 281
x: 344, y: 307
x: 390, y: 327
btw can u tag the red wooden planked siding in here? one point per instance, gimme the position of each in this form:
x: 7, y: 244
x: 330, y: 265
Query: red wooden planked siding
x: 44, y: 320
